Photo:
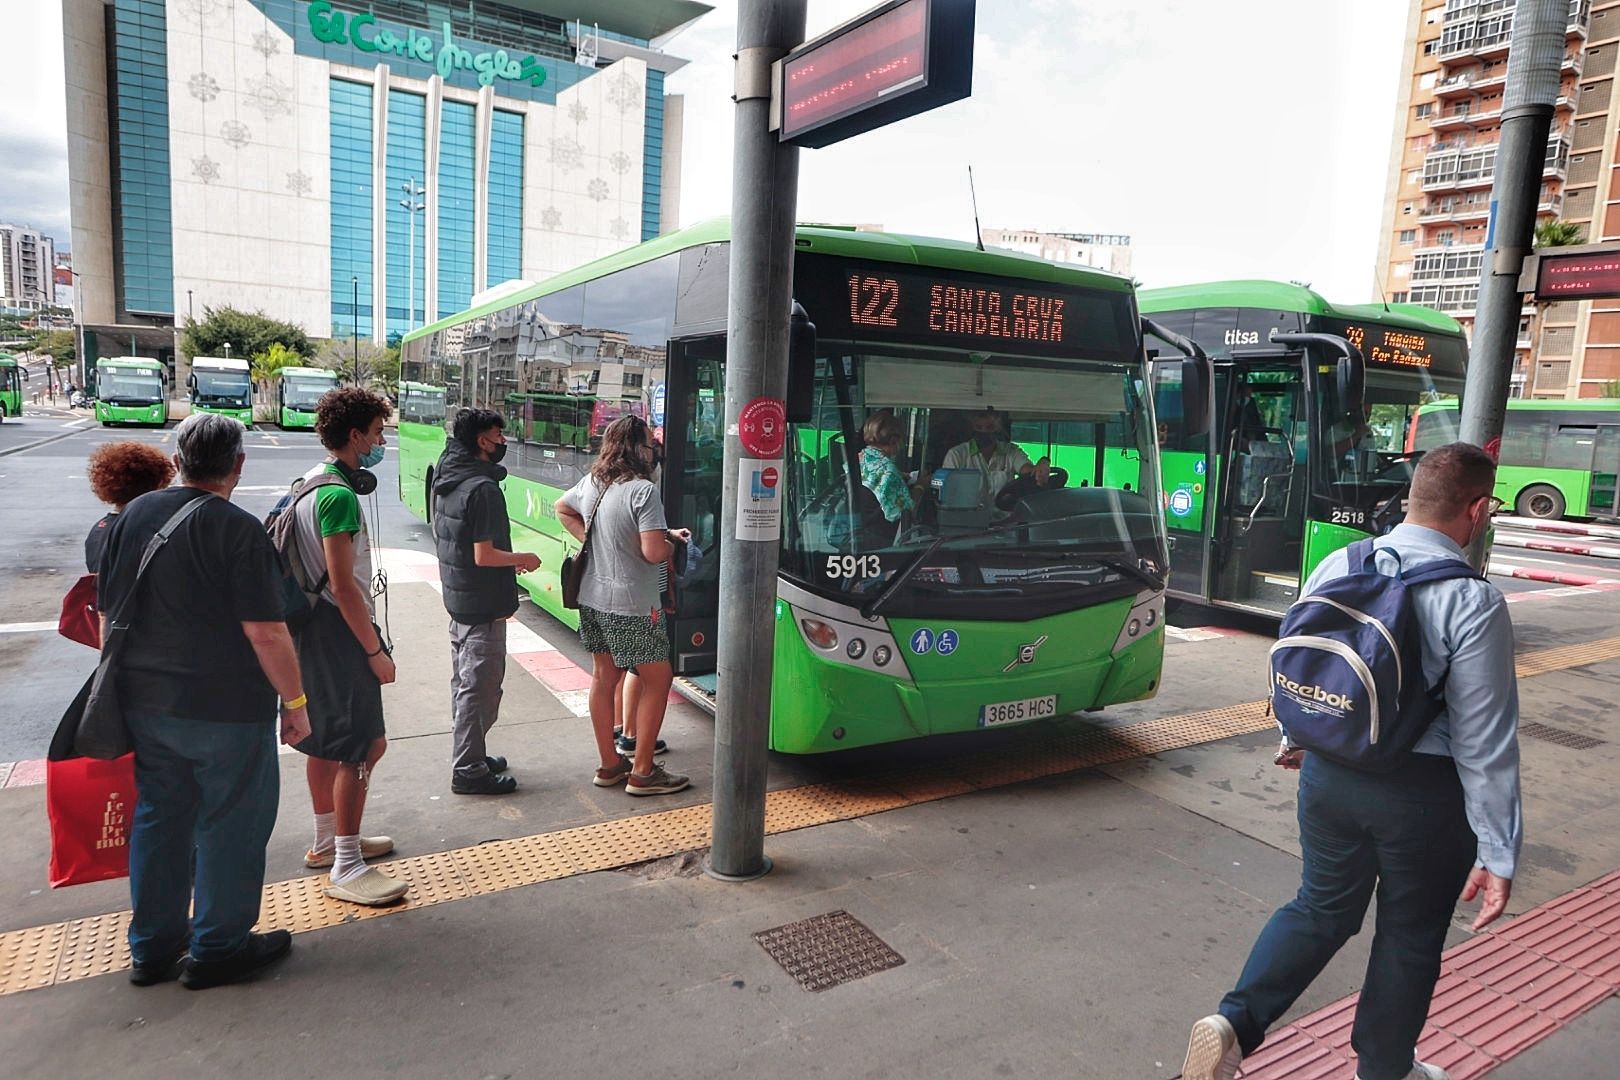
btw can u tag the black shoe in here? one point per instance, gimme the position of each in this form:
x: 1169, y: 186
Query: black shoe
x: 161, y: 972
x: 626, y: 745
x: 496, y: 764
x: 488, y: 784
x: 260, y: 952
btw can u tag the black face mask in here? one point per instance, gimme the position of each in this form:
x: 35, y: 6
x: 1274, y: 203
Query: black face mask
x: 986, y: 439
x: 496, y: 454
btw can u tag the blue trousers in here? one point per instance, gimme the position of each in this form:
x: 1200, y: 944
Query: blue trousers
x: 1405, y: 834
x: 207, y: 797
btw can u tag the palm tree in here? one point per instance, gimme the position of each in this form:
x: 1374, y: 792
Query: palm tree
x: 1555, y: 233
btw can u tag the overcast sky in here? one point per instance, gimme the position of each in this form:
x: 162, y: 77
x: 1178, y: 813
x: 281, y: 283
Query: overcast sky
x: 1241, y: 139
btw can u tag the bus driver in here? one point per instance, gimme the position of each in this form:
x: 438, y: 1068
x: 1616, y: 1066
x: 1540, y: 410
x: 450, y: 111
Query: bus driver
x: 997, y: 460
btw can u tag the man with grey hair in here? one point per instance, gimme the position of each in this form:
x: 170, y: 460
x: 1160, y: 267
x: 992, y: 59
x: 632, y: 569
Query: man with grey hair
x: 206, y: 658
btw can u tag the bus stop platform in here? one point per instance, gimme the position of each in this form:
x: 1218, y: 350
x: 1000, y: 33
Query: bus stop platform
x: 1058, y: 899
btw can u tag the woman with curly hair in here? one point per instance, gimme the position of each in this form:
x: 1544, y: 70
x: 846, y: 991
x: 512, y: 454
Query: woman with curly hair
x: 120, y: 473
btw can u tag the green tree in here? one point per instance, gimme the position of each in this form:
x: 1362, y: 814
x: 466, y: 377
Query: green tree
x: 264, y: 365
x: 248, y: 333
x: 378, y: 364
x: 1554, y: 233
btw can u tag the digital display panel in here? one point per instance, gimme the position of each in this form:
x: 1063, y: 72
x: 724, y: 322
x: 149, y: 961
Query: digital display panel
x: 1589, y: 276
x: 1396, y: 348
x: 846, y: 299
x: 854, y: 69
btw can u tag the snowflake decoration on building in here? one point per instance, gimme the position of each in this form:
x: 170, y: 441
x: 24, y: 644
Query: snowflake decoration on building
x: 266, y: 44
x: 201, y: 8
x: 299, y: 183
x: 620, y: 229
x: 205, y: 169
x: 551, y: 219
x: 236, y: 133
x: 598, y: 190
x: 620, y: 162
x: 270, y: 96
x: 567, y: 153
x: 625, y: 92
x: 578, y: 113
x: 203, y: 86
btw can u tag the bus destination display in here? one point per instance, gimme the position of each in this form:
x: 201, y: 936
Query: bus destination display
x: 950, y: 310
x: 1589, y: 276
x: 1384, y: 347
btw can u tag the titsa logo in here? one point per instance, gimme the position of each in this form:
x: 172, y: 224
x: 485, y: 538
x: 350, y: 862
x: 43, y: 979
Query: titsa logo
x: 1315, y: 694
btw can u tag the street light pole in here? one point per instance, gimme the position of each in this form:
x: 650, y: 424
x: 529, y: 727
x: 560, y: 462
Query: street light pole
x: 356, y: 281
x: 412, y: 208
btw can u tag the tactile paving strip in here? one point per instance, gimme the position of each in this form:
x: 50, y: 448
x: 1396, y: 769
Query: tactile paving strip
x: 1499, y: 994
x: 1547, y: 733
x: 828, y: 950
x: 81, y: 948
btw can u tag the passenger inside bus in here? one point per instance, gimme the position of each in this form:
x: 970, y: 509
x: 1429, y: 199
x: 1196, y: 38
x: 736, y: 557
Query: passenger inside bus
x: 885, y: 437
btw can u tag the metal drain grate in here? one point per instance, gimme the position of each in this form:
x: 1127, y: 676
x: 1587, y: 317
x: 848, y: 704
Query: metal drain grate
x: 1548, y: 733
x: 828, y: 950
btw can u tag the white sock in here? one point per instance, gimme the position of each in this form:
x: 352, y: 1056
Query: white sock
x: 347, y: 864
x: 325, y: 830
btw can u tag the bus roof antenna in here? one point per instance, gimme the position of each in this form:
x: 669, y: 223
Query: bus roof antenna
x: 1380, y: 283
x: 972, y: 193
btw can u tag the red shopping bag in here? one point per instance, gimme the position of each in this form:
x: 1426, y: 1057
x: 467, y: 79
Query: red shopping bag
x: 79, y: 620
x: 91, y: 805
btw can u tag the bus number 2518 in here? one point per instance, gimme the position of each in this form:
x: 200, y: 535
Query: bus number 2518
x: 854, y: 566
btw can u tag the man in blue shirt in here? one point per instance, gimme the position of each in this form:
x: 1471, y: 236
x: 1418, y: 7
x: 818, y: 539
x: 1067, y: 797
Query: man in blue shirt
x: 1448, y: 820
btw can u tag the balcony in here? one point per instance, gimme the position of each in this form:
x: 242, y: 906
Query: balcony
x: 1443, y: 212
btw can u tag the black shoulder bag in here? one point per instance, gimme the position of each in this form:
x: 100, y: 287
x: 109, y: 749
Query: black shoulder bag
x: 93, y: 725
x: 573, y: 566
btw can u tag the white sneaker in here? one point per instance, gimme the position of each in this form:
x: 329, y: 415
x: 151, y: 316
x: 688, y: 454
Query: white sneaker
x: 1422, y: 1070
x: 1212, y: 1050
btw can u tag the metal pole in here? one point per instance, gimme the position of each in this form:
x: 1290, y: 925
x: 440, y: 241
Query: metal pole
x: 764, y: 193
x: 356, y: 280
x: 1534, y: 59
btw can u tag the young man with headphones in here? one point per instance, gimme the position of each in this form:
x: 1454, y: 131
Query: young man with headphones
x: 345, y: 660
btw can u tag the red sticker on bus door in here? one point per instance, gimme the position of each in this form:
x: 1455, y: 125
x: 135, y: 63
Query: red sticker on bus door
x: 762, y: 427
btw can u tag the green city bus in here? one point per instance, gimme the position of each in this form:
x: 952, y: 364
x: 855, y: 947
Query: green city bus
x: 11, y: 376
x: 130, y: 390
x: 222, y: 386
x: 1558, y: 459
x: 976, y: 607
x: 296, y: 392
x: 1309, y: 403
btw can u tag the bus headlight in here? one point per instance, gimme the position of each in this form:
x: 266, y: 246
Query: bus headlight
x: 881, y: 656
x: 856, y: 649
x: 1147, y: 612
x: 820, y: 634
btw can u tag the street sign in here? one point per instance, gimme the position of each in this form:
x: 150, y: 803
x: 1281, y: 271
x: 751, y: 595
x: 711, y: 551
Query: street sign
x: 1584, y: 272
x: 897, y: 60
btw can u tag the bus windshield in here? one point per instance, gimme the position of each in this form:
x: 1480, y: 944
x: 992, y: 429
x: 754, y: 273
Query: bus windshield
x: 222, y: 387
x: 8, y: 378
x: 305, y: 393
x: 959, y: 476
x: 422, y: 406
x: 129, y: 387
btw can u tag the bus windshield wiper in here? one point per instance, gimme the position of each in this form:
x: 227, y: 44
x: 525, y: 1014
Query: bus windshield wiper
x: 1147, y: 577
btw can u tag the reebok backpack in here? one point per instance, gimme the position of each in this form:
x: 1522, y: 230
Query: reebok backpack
x: 301, y: 585
x: 1347, y: 669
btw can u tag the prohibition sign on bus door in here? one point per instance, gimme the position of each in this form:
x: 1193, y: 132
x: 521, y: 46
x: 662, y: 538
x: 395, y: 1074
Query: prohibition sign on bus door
x: 762, y: 427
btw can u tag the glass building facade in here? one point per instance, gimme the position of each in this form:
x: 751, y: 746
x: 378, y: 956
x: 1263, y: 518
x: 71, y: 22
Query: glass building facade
x: 407, y: 237
x: 457, y: 183
x: 505, y: 198
x: 351, y: 208
x: 138, y: 85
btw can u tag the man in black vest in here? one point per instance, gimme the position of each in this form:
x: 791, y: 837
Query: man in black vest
x: 478, y: 570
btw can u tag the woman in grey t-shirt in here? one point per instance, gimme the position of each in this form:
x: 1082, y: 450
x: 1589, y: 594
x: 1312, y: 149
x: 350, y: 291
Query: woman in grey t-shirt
x: 620, y: 621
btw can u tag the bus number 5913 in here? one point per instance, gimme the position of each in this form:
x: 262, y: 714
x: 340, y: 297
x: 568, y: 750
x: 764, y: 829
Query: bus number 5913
x: 854, y: 566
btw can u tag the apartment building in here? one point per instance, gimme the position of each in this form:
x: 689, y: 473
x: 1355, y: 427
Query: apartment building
x: 27, y: 269
x: 1437, y: 202
x: 1103, y: 251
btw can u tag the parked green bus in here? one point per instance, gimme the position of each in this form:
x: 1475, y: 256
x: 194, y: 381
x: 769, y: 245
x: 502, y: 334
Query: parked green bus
x: 1558, y: 459
x: 222, y: 386
x: 130, y: 390
x: 296, y: 392
x: 11, y: 376
x: 1306, y: 450
x: 974, y: 607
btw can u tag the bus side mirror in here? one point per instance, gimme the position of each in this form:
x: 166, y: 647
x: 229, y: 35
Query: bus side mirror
x: 1195, y: 396
x: 1352, y: 379
x: 801, y: 385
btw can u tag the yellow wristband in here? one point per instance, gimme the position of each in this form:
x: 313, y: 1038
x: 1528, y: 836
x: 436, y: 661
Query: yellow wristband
x: 296, y: 703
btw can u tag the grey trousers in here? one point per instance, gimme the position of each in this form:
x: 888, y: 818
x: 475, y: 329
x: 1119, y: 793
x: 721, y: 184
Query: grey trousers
x: 477, y: 668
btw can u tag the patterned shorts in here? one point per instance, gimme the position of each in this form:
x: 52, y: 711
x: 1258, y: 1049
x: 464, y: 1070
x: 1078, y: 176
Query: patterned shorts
x: 632, y: 640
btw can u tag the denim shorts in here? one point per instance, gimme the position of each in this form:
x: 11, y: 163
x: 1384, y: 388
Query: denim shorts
x: 632, y: 640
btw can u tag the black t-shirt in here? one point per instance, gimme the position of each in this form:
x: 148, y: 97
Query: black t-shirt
x: 96, y: 542
x: 186, y: 655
